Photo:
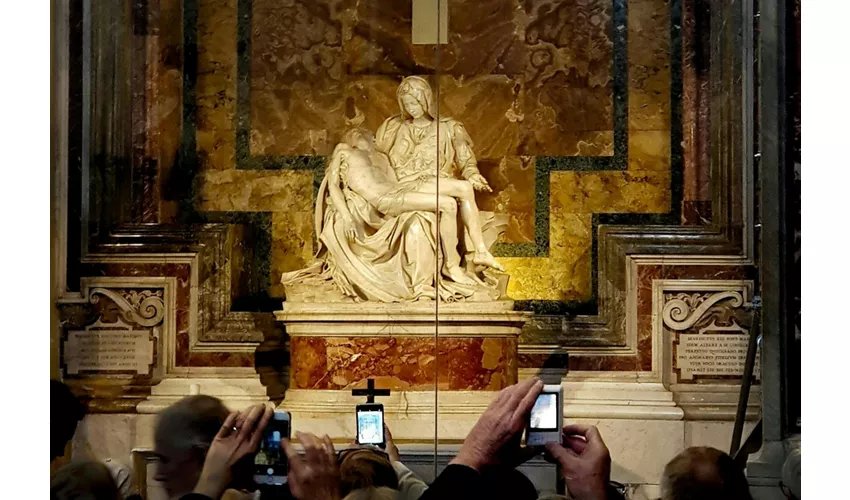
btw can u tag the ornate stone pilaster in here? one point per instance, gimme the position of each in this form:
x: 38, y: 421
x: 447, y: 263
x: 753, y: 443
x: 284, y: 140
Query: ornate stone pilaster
x: 705, y: 329
x: 113, y: 340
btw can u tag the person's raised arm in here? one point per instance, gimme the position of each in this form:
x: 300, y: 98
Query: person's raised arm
x: 316, y: 476
x: 238, y: 437
x: 410, y: 486
x: 494, y: 440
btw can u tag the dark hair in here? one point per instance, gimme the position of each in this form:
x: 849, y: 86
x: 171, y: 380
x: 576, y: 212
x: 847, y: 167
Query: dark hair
x: 704, y: 473
x: 364, y: 468
x: 507, y: 483
x: 66, y: 411
x: 83, y: 480
x: 192, y: 422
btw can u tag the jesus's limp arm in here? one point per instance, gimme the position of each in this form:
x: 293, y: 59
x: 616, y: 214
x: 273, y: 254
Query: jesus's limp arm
x: 336, y: 195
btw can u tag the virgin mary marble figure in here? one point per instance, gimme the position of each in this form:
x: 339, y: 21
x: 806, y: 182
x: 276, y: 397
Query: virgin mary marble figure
x: 428, y: 150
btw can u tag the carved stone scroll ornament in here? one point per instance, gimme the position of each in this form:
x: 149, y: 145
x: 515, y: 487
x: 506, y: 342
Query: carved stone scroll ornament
x: 144, y: 308
x: 684, y: 310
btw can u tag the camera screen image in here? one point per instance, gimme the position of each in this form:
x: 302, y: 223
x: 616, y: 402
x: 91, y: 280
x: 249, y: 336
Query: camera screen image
x: 544, y: 414
x: 370, y: 427
x: 271, y: 457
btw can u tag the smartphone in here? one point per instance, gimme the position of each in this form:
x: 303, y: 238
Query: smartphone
x: 546, y: 417
x: 370, y: 424
x: 270, y: 465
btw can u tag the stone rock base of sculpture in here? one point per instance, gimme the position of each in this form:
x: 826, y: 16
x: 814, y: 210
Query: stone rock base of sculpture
x: 319, y: 289
x: 455, y: 363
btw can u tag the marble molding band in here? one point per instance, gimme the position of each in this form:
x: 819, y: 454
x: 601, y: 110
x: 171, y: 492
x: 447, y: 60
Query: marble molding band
x: 626, y: 401
x: 382, y: 320
x: 236, y: 393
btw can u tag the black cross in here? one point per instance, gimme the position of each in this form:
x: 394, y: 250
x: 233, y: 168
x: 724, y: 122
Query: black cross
x: 370, y: 392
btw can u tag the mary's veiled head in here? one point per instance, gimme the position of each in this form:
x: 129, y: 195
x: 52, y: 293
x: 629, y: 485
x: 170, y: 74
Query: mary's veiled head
x: 415, y: 98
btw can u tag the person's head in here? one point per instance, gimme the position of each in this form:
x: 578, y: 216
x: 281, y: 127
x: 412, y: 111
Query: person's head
x: 182, y: 437
x: 359, y: 138
x: 701, y: 473
x: 83, y: 480
x: 66, y: 411
x: 415, y: 97
x: 363, y: 468
x: 372, y: 493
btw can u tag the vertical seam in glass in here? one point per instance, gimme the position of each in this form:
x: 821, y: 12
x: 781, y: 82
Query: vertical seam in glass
x: 439, y: 246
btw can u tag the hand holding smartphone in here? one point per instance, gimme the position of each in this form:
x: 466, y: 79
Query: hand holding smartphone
x: 546, y: 417
x: 270, y: 464
x: 370, y: 424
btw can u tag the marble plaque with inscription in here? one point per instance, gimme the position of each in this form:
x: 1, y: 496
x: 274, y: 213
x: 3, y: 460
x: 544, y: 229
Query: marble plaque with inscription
x: 109, y: 350
x: 715, y: 354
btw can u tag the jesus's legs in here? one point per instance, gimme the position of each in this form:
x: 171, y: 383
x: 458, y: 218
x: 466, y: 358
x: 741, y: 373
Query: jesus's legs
x: 446, y: 207
x: 464, y: 192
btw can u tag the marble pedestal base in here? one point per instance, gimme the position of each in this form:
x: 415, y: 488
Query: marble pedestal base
x: 236, y: 393
x: 404, y: 347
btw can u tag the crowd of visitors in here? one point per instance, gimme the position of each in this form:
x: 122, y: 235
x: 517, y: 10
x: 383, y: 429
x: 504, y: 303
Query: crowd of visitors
x: 203, y: 452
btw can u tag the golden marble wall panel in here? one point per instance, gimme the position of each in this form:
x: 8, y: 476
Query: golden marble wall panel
x: 165, y: 93
x: 215, y: 89
x: 490, y: 106
x: 377, y: 41
x: 512, y: 195
x: 370, y: 99
x: 255, y: 191
x: 295, y: 41
x: 649, y: 150
x: 304, y: 119
x: 610, y: 192
x: 565, y: 275
x: 561, y: 120
x: 296, y: 77
x: 292, y: 245
x: 571, y: 37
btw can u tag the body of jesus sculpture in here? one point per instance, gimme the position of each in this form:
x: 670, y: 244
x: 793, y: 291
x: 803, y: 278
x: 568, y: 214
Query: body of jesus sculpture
x: 357, y: 165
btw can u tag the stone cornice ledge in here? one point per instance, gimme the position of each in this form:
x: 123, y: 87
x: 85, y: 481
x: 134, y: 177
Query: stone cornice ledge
x: 236, y: 393
x: 619, y: 400
x: 621, y: 396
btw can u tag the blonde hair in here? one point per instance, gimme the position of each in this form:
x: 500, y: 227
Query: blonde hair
x: 364, y: 468
x: 372, y: 493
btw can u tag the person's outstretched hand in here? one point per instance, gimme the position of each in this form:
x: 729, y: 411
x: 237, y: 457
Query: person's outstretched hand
x: 585, y: 461
x: 238, y: 437
x: 392, y: 449
x: 316, y: 476
x: 496, y: 436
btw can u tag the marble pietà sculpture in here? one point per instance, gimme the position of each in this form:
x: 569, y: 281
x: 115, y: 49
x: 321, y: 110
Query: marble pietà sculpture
x: 393, y: 221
